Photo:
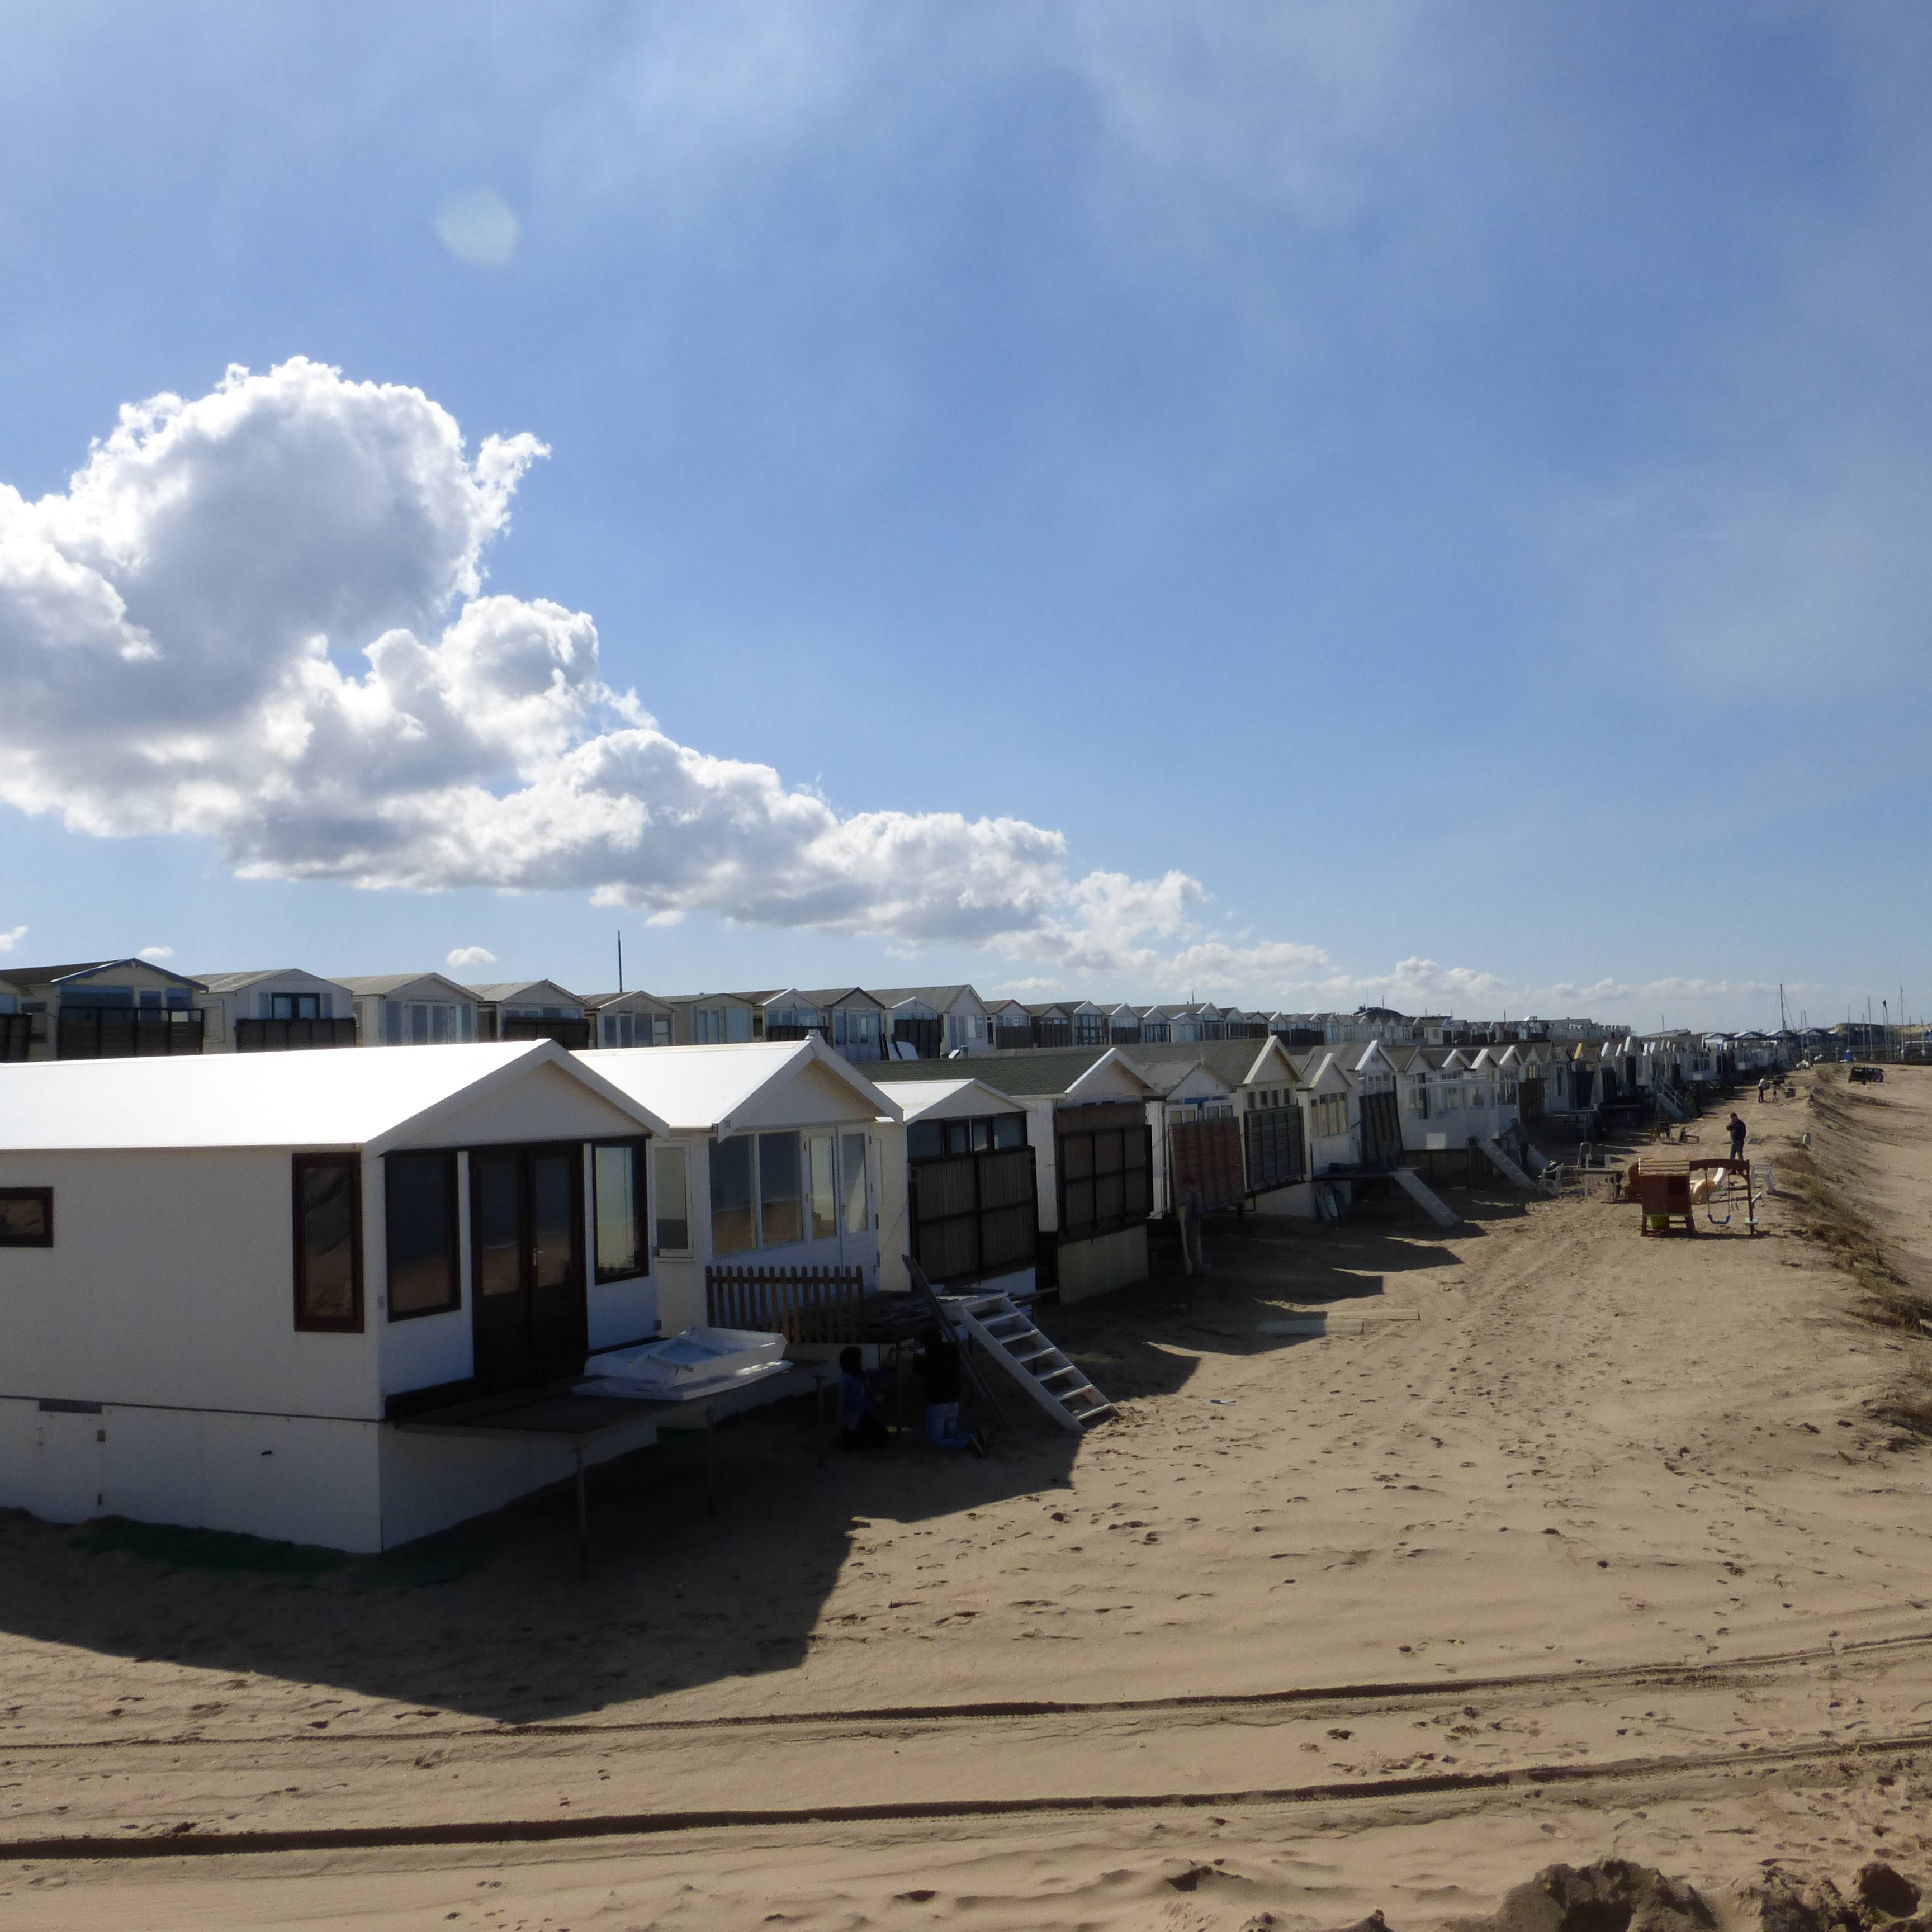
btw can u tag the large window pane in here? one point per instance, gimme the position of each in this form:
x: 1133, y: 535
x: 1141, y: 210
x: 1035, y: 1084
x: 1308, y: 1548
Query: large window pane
x: 852, y: 1158
x: 780, y: 1219
x: 733, y: 1230
x: 327, y: 1231
x: 673, y: 1201
x: 824, y: 1188
x: 420, y: 1191
x: 496, y: 1191
x: 618, y: 1178
x: 554, y: 1233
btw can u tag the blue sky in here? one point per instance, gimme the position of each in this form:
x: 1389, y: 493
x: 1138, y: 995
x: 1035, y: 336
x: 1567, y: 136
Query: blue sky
x: 1421, y: 500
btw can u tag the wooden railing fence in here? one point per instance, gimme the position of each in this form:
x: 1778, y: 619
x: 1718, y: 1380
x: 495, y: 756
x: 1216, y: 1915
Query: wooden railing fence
x: 802, y: 1304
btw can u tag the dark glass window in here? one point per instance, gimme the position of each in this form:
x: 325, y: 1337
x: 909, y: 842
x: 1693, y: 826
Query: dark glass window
x: 925, y: 1140
x: 26, y: 1217
x: 1009, y: 1130
x: 329, y: 1242
x: 732, y: 1227
x: 618, y: 1174
x: 420, y: 1189
x: 779, y: 1220
x: 673, y: 1201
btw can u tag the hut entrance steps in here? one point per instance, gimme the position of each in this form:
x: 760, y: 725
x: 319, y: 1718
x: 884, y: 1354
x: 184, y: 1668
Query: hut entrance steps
x: 1431, y: 1204
x: 1504, y: 1166
x: 1668, y: 1100
x: 1011, y: 1338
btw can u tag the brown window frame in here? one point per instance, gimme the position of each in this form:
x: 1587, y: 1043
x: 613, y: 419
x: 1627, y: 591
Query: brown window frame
x: 299, y: 1165
x: 45, y: 1196
x: 455, y: 1302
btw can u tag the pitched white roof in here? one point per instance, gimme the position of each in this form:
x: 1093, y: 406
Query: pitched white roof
x: 699, y: 1089
x: 345, y: 1097
x: 947, y: 1099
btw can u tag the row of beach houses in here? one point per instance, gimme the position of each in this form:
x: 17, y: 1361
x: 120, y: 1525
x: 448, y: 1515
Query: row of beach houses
x: 92, y: 1008
x: 248, y: 1289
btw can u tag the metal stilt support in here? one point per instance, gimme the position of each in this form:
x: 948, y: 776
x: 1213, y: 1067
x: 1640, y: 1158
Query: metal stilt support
x: 583, y: 1523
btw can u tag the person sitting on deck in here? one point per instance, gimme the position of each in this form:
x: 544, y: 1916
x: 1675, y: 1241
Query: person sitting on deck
x: 1737, y: 1132
x: 936, y: 1365
x: 859, y: 1424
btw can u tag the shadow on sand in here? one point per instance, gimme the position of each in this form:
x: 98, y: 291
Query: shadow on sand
x: 491, y: 1620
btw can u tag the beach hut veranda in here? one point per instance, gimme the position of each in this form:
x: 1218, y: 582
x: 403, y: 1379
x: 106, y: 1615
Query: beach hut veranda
x: 223, y: 1279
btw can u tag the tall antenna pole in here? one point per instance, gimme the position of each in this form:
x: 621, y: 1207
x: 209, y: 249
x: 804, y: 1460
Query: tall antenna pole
x: 620, y: 959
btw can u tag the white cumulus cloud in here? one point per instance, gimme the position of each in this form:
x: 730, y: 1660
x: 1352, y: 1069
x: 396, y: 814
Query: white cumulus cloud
x: 156, y: 953
x: 471, y: 955
x: 259, y: 616
x: 9, y: 941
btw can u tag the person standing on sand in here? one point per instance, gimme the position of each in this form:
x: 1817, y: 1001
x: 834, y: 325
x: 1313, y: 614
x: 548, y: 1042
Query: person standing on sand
x: 858, y: 1425
x: 1737, y: 1131
x: 936, y: 1365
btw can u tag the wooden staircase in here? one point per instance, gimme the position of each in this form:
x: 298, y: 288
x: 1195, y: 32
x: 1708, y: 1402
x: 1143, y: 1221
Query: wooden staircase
x: 1009, y: 1336
x: 1431, y: 1204
x: 1504, y: 1166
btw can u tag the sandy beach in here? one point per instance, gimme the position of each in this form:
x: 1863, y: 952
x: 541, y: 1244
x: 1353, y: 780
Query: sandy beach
x: 1560, y: 1542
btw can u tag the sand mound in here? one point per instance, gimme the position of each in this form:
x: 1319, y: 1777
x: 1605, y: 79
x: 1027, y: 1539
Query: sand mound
x: 1613, y: 1895
x: 1785, y: 1901
x: 1616, y: 1895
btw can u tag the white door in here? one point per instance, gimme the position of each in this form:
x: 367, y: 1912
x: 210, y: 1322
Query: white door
x: 67, y: 1456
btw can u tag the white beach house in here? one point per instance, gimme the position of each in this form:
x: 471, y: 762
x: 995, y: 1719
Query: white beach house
x: 222, y: 1278
x: 973, y: 1184
x: 1087, y: 1123
x: 412, y: 1010
x: 777, y: 1154
x: 108, y: 1008
x: 275, y: 1010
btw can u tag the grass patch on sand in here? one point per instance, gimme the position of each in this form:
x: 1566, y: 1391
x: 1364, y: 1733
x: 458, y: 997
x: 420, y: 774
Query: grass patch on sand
x: 218, y: 1552
x: 443, y: 1558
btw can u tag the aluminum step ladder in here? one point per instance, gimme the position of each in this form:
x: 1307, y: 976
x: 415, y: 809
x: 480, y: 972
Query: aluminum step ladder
x: 1504, y: 1166
x: 1431, y: 1204
x: 1009, y: 1336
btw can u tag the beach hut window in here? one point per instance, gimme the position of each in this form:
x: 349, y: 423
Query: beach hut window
x: 733, y: 1227
x: 617, y: 1177
x: 419, y: 1207
x: 1009, y: 1130
x: 26, y: 1217
x: 853, y: 1157
x: 823, y: 1186
x: 780, y: 1219
x: 673, y: 1202
x: 925, y: 1140
x: 329, y: 1242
